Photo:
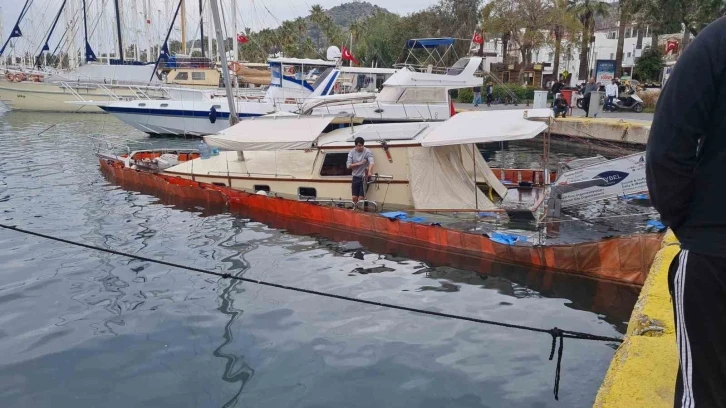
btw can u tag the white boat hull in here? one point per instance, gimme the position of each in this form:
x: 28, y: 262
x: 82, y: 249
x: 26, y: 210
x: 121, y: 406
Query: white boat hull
x: 43, y: 97
x: 192, y: 118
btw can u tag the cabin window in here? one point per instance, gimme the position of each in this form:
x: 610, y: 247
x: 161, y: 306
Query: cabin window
x: 261, y: 187
x: 307, y: 192
x: 183, y: 76
x: 334, y: 165
x: 164, y: 105
x: 198, y: 76
x: 142, y: 104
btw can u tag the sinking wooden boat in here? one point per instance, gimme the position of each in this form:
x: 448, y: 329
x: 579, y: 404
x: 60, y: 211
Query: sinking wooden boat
x: 295, y: 168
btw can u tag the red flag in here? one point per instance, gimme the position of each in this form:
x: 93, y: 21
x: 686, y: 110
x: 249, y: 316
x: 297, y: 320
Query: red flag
x: 347, y: 56
x: 671, y: 46
x: 477, y: 38
x: 242, y: 39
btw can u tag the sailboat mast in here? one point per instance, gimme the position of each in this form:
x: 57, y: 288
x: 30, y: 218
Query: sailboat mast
x: 4, y: 60
x: 90, y: 55
x: 183, y: 28
x: 233, y: 118
x: 118, y: 32
x: 234, y: 32
x: 201, y: 26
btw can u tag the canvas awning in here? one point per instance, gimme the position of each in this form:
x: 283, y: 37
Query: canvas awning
x: 488, y: 126
x: 280, y: 133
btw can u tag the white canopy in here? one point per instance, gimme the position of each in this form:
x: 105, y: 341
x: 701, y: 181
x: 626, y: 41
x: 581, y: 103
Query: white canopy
x: 270, y: 134
x: 488, y: 126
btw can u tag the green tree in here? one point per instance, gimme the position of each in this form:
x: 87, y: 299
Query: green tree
x: 649, y: 65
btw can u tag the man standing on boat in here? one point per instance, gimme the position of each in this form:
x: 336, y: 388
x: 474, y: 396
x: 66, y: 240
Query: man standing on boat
x: 360, y: 159
x: 684, y: 168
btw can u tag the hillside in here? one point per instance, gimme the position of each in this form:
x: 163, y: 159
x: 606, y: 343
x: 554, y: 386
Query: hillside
x: 345, y: 14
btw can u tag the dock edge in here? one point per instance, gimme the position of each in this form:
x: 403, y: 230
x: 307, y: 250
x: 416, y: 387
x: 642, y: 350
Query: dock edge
x: 643, y: 370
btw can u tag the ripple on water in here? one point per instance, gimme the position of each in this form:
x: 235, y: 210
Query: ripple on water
x: 82, y: 328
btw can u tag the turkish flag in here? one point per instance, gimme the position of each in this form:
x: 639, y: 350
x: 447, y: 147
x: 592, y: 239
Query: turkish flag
x: 477, y: 38
x: 671, y: 47
x: 347, y: 56
x: 242, y: 39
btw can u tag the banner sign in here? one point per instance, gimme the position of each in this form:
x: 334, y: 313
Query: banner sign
x: 623, y: 176
x: 604, y: 71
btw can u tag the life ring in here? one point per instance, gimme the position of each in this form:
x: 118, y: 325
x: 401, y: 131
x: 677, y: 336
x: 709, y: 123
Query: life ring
x: 290, y: 70
x: 234, y: 66
x: 36, y: 78
x: 19, y: 77
x: 9, y: 77
x: 336, y: 87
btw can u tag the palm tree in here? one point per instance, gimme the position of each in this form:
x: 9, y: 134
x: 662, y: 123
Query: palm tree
x: 561, y: 22
x: 587, y: 11
x: 625, y: 19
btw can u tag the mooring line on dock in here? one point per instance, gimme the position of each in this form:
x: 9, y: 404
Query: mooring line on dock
x: 555, y: 332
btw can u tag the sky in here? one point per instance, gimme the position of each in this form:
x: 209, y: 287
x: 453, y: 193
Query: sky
x: 255, y: 14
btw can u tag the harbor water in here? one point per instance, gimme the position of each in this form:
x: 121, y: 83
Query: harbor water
x: 81, y: 328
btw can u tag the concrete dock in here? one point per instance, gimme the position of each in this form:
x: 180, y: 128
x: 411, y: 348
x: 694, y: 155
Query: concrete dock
x: 619, y: 127
x: 643, y: 371
x: 630, y: 131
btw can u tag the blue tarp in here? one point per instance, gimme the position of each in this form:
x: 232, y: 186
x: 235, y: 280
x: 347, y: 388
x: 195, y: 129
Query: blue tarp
x: 506, y: 239
x: 402, y: 216
x: 428, y: 42
x: 635, y: 197
x: 655, y: 225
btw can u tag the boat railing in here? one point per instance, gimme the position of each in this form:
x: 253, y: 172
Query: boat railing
x: 109, y: 148
x: 231, y: 173
x: 411, y: 110
x: 339, y: 202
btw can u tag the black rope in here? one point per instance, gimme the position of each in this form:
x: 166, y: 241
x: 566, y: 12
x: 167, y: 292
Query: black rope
x: 555, y: 332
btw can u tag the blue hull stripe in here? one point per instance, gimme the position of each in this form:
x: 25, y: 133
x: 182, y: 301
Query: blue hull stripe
x: 174, y: 112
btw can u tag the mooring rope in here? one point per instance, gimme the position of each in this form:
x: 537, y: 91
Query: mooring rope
x: 555, y: 332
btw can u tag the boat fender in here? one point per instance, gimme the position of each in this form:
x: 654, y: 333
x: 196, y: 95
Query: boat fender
x: 262, y: 193
x: 212, y: 115
x: 235, y: 67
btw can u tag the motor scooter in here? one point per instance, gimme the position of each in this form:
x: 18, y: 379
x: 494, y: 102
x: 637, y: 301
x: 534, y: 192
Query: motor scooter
x: 629, y: 101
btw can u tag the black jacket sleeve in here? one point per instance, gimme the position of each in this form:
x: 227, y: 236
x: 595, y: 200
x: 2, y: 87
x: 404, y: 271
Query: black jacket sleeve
x: 682, y: 118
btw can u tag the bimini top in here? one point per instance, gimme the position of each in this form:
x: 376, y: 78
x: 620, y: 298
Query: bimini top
x: 277, y: 133
x: 429, y: 42
x: 306, y: 132
x: 488, y: 126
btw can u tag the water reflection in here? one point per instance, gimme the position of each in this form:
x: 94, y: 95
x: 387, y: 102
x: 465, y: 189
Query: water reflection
x: 92, y: 329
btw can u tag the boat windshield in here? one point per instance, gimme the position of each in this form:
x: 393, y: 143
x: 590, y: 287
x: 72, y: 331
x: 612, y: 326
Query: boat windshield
x: 322, y: 77
x: 458, y: 67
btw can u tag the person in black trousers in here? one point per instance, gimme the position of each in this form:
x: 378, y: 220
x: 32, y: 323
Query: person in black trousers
x: 685, y: 167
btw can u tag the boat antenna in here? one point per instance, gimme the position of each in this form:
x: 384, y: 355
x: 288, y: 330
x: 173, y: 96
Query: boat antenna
x: 16, y: 28
x: 221, y: 50
x: 46, y: 47
x: 118, y: 31
x: 164, y: 53
x: 90, y: 55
